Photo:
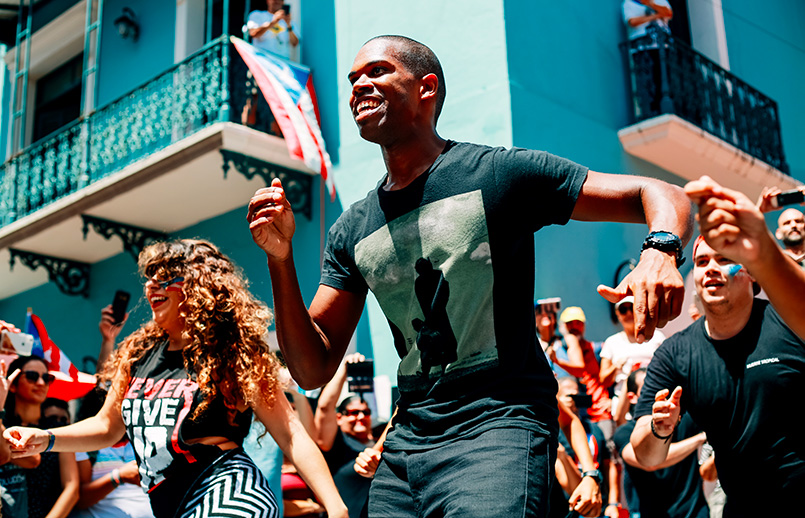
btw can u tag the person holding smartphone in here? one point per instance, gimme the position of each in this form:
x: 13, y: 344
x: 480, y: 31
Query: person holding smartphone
x: 791, y: 222
x: 272, y: 29
x: 183, y: 388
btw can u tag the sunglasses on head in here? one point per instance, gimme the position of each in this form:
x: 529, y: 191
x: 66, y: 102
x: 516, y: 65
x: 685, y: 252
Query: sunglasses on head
x: 355, y: 412
x: 33, y: 377
x: 625, y: 308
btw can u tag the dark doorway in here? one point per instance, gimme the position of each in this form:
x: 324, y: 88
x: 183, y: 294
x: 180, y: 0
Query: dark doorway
x: 680, y: 23
x: 238, y: 10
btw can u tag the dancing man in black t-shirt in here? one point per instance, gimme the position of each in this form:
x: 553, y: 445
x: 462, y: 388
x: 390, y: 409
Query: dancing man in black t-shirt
x: 471, y: 431
x: 735, y: 370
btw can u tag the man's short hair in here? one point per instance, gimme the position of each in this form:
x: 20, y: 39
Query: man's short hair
x: 631, y: 381
x: 420, y: 61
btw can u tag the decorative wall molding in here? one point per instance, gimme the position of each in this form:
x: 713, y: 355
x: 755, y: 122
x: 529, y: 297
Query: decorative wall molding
x: 134, y: 238
x: 71, y: 277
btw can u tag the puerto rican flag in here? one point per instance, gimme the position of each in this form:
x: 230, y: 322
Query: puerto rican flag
x: 288, y: 88
x: 45, y: 348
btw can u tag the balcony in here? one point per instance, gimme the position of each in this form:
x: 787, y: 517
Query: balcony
x: 163, y: 157
x: 693, y: 117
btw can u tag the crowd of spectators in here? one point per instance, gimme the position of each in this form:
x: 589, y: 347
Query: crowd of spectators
x: 622, y: 450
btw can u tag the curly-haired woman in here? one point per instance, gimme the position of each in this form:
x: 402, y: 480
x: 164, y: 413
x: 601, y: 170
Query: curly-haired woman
x: 182, y: 387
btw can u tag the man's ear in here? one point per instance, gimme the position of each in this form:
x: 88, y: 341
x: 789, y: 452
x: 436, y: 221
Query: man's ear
x: 428, y: 87
x: 778, y: 234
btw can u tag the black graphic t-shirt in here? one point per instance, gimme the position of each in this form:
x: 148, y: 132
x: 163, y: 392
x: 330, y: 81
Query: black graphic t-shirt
x: 159, y: 401
x: 740, y: 392
x: 450, y: 259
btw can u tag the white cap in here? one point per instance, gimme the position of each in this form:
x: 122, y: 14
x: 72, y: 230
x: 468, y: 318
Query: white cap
x: 627, y: 299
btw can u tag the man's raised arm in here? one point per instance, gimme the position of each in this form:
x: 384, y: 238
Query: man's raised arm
x: 656, y: 284
x: 313, y: 342
x: 652, y: 434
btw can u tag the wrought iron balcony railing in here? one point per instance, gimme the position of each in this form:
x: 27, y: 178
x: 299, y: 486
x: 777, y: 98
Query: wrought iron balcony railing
x: 209, y: 86
x: 669, y: 77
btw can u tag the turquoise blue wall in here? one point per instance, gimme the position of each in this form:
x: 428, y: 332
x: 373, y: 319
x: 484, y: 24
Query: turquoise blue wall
x: 126, y: 64
x: 767, y: 50
x: 569, y: 97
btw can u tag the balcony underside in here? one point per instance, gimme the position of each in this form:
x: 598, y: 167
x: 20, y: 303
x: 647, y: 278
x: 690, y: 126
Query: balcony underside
x: 181, y: 185
x: 690, y: 152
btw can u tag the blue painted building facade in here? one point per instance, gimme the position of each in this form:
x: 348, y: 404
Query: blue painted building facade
x: 539, y: 75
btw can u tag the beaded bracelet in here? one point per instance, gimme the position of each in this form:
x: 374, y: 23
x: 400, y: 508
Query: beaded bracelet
x: 51, y: 441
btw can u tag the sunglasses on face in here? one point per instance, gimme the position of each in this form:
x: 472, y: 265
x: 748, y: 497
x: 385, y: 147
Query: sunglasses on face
x: 625, y: 308
x: 33, y: 377
x: 352, y: 412
x: 165, y: 284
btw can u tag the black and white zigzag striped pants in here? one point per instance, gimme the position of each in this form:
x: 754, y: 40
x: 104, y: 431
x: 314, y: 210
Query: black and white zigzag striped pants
x: 232, y: 487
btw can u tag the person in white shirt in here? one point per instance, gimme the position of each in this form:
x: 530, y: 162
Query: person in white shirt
x: 622, y: 354
x: 272, y: 29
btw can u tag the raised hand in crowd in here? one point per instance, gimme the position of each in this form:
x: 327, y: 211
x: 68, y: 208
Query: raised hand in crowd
x: 765, y: 202
x: 271, y: 221
x: 666, y: 412
x: 730, y: 222
x: 7, y: 326
x: 369, y: 459
x: 109, y: 332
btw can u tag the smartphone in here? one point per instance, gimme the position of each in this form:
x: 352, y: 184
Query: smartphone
x: 286, y: 8
x: 16, y: 343
x: 119, y: 305
x: 361, y: 376
x: 791, y: 197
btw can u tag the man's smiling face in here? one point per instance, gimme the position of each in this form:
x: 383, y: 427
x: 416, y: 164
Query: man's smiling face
x: 384, y: 99
x: 716, y: 288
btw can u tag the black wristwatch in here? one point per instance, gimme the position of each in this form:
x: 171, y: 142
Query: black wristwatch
x: 595, y: 475
x: 665, y: 241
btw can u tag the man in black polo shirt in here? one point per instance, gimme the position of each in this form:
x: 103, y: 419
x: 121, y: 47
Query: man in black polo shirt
x: 736, y: 370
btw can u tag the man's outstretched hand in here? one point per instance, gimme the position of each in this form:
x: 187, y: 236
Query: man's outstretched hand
x: 658, y: 290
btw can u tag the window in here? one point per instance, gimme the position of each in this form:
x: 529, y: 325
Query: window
x: 58, y: 98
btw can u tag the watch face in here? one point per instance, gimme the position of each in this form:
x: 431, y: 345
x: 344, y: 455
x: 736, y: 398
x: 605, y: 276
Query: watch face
x: 664, y: 237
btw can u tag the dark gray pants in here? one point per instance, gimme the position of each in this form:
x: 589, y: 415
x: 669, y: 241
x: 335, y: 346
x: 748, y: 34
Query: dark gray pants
x: 503, y: 472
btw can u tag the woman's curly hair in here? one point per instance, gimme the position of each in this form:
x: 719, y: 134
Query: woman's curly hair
x: 224, y: 324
